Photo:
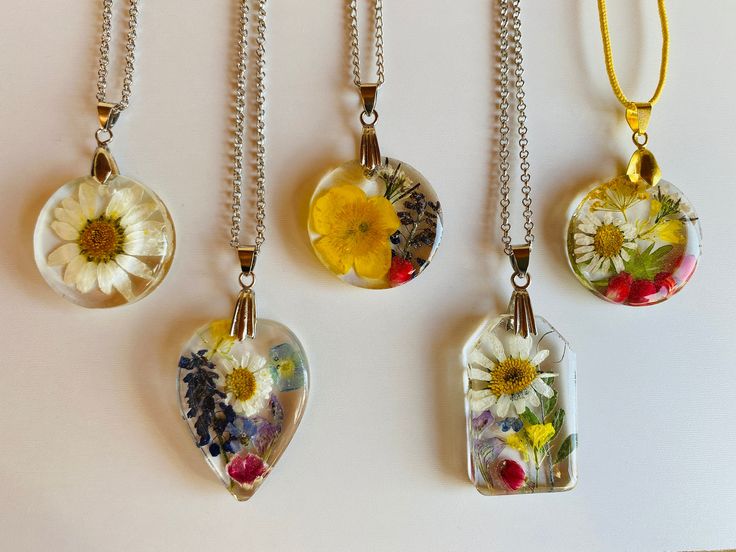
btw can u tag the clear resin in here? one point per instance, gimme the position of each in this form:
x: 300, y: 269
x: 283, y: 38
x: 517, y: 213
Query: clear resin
x: 634, y: 244
x: 377, y: 230
x: 520, y: 410
x: 243, y: 400
x: 103, y: 245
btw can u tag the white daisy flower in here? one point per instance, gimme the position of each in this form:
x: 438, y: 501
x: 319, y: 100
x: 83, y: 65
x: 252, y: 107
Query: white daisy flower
x: 247, y: 383
x: 603, y: 243
x: 104, y: 238
x: 507, y: 379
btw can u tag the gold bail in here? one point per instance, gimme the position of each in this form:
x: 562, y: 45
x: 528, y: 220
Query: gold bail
x: 244, y: 314
x: 107, y: 115
x: 638, y: 117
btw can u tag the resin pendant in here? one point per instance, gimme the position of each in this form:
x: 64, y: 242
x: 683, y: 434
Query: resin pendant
x: 633, y: 243
x: 103, y: 240
x: 521, y: 412
x: 375, y: 229
x: 243, y: 400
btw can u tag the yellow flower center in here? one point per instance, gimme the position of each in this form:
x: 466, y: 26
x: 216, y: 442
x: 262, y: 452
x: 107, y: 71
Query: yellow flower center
x: 101, y: 239
x: 241, y: 383
x: 360, y: 228
x: 512, y: 376
x: 608, y: 240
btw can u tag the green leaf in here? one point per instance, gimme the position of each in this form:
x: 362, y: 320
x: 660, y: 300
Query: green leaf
x: 559, y: 417
x: 645, y: 265
x: 529, y: 417
x: 549, y: 405
x: 566, y: 448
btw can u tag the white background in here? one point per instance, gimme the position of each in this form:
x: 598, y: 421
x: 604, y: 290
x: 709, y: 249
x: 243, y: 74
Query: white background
x: 94, y: 453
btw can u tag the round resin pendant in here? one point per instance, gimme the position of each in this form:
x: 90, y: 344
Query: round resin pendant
x: 103, y: 245
x: 243, y: 400
x: 377, y: 230
x: 634, y: 244
x: 521, y: 409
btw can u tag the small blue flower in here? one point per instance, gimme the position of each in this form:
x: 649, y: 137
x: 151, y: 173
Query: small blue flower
x: 511, y: 423
x: 215, y: 449
x: 287, y: 367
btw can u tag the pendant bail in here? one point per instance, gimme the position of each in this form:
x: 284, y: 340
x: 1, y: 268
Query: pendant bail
x: 520, y: 305
x: 369, y: 97
x: 244, y: 315
x: 107, y: 115
x: 638, y: 117
x: 103, y: 165
x: 370, y: 151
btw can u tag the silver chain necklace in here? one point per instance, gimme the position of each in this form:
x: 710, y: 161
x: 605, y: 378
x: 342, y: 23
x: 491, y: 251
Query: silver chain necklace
x: 520, y: 307
x: 239, y: 130
x: 104, y: 63
x: 354, y: 44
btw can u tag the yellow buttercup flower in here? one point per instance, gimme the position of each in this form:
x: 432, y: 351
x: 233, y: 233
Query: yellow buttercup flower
x: 355, y: 231
x: 539, y: 434
x: 516, y: 441
x: 671, y: 231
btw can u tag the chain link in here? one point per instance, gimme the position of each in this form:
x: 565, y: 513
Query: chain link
x: 354, y: 43
x: 104, y: 64
x: 505, y: 40
x: 260, y: 126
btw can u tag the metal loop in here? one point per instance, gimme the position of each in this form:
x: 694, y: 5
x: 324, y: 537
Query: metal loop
x: 107, y: 133
x: 527, y: 280
x: 640, y: 135
x: 365, y: 114
x: 244, y: 283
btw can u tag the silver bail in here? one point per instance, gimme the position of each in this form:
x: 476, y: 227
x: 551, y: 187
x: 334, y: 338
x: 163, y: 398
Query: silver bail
x: 244, y: 314
x: 370, y: 152
x: 369, y: 97
x: 520, y: 306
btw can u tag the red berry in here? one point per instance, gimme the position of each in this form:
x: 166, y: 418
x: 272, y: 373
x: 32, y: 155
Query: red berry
x: 641, y: 290
x: 619, y: 287
x: 401, y: 271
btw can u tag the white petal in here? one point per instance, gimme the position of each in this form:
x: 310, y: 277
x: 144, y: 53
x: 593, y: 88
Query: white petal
x: 503, y: 404
x: 608, y: 218
x: 120, y: 281
x: 629, y: 231
x: 585, y: 257
x: 495, y: 346
x: 539, y: 357
x: 88, y: 200
x: 583, y: 239
x: 595, y: 262
x: 65, y: 230
x: 533, y: 400
x: 481, y: 375
x: 135, y: 266
x: 258, y: 363
x: 542, y: 388
x: 481, y: 404
x: 87, y: 277
x: 520, y: 406
x: 520, y: 346
x: 587, y: 228
x: 138, y: 213
x: 477, y: 357
x: 72, y: 269
x: 618, y: 263
x: 625, y: 255
x: 137, y: 244
x: 606, y: 266
x: 104, y: 277
x: 73, y: 218
x: 629, y: 245
x: 63, y: 254
x: 121, y: 202
x: 584, y: 249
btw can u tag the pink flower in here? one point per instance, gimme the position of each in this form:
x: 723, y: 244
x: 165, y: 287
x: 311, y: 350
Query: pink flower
x: 640, y: 292
x: 247, y: 469
x: 619, y: 287
x: 401, y: 271
x: 684, y: 268
x: 666, y: 281
x: 512, y: 474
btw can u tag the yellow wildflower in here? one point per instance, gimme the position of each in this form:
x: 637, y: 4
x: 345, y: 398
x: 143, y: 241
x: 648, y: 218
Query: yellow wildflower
x: 539, y: 434
x: 654, y: 207
x: 516, y: 441
x: 221, y: 338
x: 355, y: 231
x: 671, y: 231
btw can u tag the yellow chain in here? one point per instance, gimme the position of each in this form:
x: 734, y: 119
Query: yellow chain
x: 603, y: 16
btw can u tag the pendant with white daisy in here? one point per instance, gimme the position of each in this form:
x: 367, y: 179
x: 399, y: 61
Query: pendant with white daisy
x: 104, y: 245
x: 243, y: 400
x: 520, y: 394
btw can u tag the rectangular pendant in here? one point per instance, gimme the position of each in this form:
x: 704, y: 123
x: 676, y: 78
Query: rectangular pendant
x: 520, y: 409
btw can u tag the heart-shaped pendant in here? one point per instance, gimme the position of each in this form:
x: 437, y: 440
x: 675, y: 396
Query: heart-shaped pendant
x: 243, y: 400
